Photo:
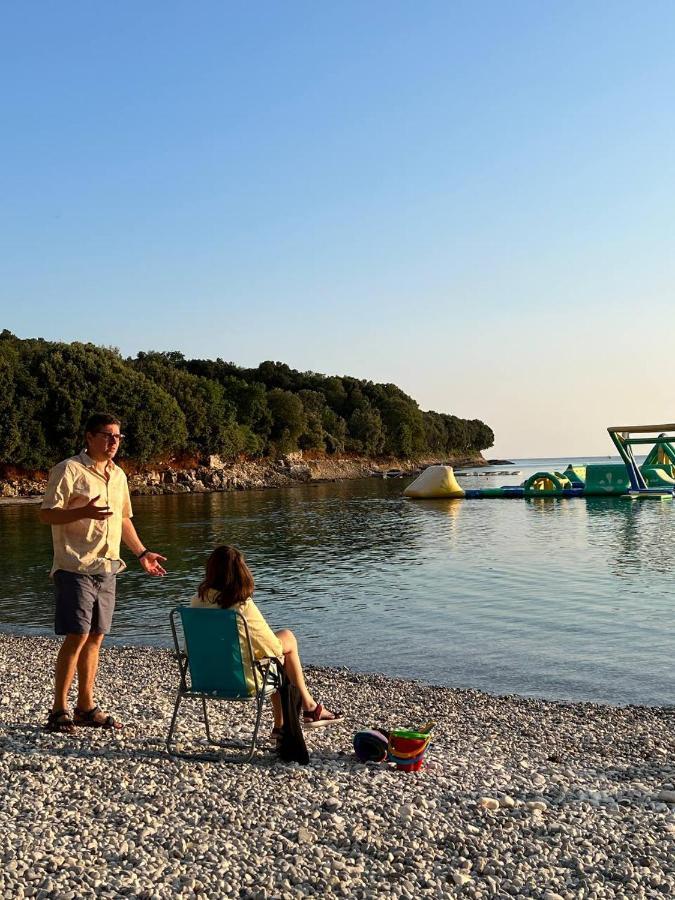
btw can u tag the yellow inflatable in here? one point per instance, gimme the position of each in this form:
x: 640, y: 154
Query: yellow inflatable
x: 436, y: 481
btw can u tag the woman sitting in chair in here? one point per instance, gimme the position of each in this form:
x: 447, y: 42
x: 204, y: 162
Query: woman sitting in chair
x: 229, y: 583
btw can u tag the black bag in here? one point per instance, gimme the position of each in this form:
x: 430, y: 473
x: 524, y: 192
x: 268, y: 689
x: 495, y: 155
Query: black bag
x: 292, y: 747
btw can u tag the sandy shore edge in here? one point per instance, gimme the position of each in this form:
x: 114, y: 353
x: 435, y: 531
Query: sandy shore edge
x: 519, y: 797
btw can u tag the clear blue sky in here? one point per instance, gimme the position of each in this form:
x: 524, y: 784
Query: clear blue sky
x: 472, y: 200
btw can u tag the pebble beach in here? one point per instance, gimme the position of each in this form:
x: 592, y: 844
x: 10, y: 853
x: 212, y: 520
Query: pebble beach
x: 518, y: 797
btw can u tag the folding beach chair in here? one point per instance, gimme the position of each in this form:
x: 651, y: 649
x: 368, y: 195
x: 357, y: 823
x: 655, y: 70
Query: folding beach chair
x: 217, y: 663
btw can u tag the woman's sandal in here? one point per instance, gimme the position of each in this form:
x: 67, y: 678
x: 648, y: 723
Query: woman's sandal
x: 59, y: 720
x: 312, y: 718
x: 277, y: 734
x: 95, y: 718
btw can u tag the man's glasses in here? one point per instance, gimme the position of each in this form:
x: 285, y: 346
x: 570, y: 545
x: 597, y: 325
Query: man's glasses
x: 118, y: 438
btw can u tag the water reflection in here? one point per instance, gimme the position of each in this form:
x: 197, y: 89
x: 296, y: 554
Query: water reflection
x: 635, y: 534
x: 554, y: 597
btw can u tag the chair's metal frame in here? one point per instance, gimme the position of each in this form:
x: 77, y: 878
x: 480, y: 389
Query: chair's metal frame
x: 266, y: 679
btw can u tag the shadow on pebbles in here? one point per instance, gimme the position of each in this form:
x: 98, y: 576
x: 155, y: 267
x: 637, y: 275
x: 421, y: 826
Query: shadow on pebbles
x: 518, y: 797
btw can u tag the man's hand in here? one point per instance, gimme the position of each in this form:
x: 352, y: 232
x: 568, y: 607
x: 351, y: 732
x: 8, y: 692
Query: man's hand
x: 91, y: 511
x: 59, y: 516
x: 151, y: 563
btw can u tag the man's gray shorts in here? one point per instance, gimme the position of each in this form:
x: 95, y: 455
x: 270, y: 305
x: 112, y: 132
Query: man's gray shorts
x: 84, y: 603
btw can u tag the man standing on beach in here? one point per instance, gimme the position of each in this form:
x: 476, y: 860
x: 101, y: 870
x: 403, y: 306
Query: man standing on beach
x: 87, y: 504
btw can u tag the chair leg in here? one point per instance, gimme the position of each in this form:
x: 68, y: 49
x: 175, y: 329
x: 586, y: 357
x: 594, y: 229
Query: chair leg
x: 259, y: 703
x: 206, y: 723
x: 169, y: 736
x: 244, y: 758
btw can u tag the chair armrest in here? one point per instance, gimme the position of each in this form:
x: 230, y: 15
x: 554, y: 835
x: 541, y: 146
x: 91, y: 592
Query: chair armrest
x: 269, y: 667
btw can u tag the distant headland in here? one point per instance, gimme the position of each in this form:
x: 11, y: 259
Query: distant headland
x: 245, y: 427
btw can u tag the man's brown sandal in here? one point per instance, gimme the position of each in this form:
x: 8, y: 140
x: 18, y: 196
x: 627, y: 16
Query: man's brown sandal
x: 59, y: 720
x: 95, y: 718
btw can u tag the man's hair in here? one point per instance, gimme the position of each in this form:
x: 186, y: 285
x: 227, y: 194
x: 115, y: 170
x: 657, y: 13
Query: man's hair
x: 228, y: 574
x: 94, y: 422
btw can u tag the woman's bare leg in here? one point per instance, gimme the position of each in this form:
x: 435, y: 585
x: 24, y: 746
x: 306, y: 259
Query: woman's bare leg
x: 293, y: 668
x: 276, y: 710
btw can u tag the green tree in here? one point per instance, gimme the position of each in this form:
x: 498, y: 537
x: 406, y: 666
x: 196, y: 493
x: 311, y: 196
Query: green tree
x: 365, y: 431
x: 275, y: 375
x: 10, y: 432
x: 458, y: 434
x: 170, y: 405
x: 435, y: 433
x: 59, y: 385
x: 314, y: 406
x: 334, y: 430
x: 404, y: 427
x: 253, y: 411
x: 210, y: 419
x: 336, y: 395
x: 481, y: 437
x: 288, y: 420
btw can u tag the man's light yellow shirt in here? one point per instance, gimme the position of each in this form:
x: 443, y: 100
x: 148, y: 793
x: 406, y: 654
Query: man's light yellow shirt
x: 89, y: 546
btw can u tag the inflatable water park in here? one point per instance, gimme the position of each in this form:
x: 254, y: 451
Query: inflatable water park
x: 652, y: 479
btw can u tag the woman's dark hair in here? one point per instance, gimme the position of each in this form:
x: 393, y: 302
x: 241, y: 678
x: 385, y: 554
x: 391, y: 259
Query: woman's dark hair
x: 228, y: 574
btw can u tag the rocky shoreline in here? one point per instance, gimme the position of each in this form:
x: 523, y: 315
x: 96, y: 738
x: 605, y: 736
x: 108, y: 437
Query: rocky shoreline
x: 220, y: 475
x: 519, y: 797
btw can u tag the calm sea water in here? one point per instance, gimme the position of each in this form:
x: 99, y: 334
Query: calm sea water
x: 568, y: 599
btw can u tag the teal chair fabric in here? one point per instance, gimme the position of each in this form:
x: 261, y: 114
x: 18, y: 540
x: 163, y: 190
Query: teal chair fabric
x: 214, y: 652
x: 216, y: 662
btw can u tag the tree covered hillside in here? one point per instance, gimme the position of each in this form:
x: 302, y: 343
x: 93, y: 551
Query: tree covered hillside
x: 171, y: 406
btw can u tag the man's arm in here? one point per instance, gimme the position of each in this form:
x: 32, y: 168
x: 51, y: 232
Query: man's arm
x: 59, y: 516
x: 149, y: 561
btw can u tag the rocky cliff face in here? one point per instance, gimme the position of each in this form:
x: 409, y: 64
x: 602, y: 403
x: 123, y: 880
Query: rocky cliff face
x: 219, y: 475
